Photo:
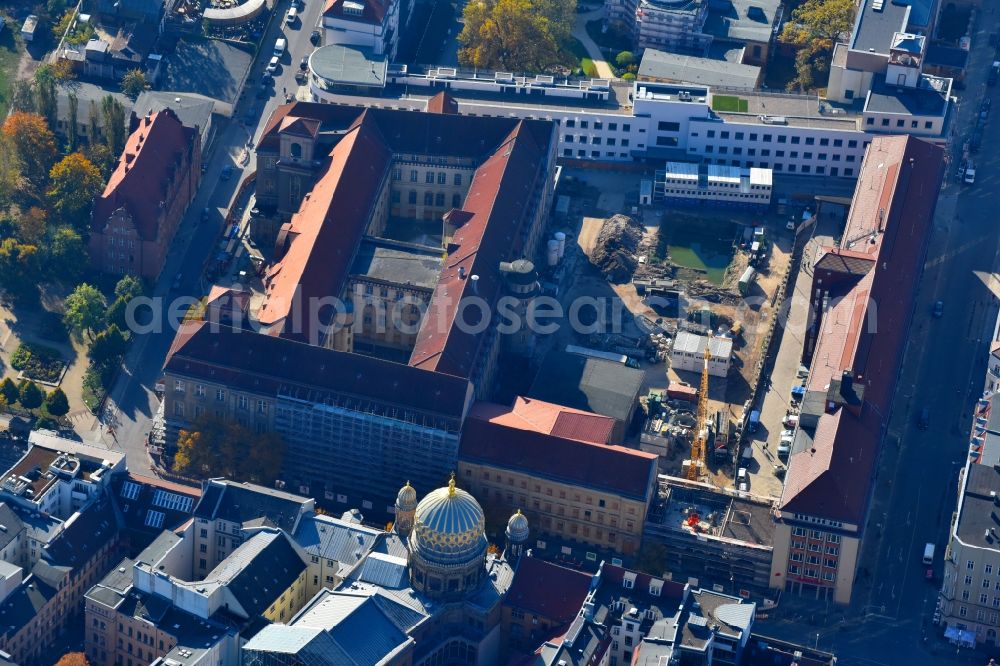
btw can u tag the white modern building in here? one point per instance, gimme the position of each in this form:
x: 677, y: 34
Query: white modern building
x: 613, y: 120
x: 689, y: 353
x: 698, y: 184
x: 372, y: 24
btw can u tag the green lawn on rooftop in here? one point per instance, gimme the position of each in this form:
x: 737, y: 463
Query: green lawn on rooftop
x: 729, y: 103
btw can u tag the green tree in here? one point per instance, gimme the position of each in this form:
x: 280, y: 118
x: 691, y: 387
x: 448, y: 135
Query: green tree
x: 31, y: 395
x: 34, y: 145
x: 74, y: 183
x: 9, y: 391
x: 22, y: 96
x: 625, y: 58
x: 72, y: 118
x: 108, y: 346
x: 19, y: 269
x: 55, y: 8
x: 133, y: 83
x: 56, y: 403
x: 113, y: 124
x: 45, y: 94
x: 85, y: 309
x: 815, y: 26
x: 513, y: 35
x: 10, y: 170
x: 128, y: 287
x: 100, y: 156
x: 67, y: 255
x: 115, y: 316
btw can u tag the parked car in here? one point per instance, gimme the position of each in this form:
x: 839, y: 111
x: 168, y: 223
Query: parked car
x: 791, y: 420
x: 272, y: 65
x: 938, y: 310
x: 924, y: 418
x: 292, y: 14
x: 315, y: 37
x: 975, y: 140
x: 304, y: 63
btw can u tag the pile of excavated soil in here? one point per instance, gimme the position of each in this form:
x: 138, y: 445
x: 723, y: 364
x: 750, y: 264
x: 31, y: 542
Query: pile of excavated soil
x: 614, y: 251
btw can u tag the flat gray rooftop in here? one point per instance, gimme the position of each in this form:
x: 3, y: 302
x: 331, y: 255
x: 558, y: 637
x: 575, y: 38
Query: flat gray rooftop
x: 873, y: 30
x: 742, y: 20
x: 349, y: 64
x: 692, y: 69
x: 398, y: 263
x: 980, y: 514
x: 912, y: 101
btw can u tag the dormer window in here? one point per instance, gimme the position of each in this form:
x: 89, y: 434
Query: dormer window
x: 353, y: 8
x: 628, y: 582
x: 655, y: 586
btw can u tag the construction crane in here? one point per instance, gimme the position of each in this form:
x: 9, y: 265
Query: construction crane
x: 698, y: 443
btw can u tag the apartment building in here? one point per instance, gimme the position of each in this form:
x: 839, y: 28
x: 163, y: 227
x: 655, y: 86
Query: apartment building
x: 149, y: 505
x: 369, y: 24
x: 854, y: 366
x: 156, y: 606
x: 334, y: 547
x: 570, y: 486
x: 134, y: 220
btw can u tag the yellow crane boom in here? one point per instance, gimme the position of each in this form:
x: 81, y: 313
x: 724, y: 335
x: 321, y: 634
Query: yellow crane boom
x: 697, y: 462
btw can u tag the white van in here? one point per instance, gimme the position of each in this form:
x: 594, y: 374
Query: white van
x: 290, y: 16
x: 279, y: 47
x: 928, y: 554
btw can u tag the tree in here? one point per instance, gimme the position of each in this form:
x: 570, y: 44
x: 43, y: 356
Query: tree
x: 74, y: 183
x: 18, y: 267
x: 55, y: 8
x: 84, y: 309
x: 72, y: 658
x: 67, y: 255
x: 815, y: 26
x: 113, y: 122
x: 128, y: 287
x: 56, y: 403
x: 32, y: 225
x: 507, y: 34
x: 9, y: 391
x: 115, y: 316
x: 625, y: 58
x: 45, y: 93
x: 108, y: 346
x: 34, y: 144
x: 72, y: 132
x: 94, y: 121
x: 10, y: 170
x: 100, y: 156
x: 214, y: 447
x: 22, y: 96
x: 31, y: 395
x: 133, y: 83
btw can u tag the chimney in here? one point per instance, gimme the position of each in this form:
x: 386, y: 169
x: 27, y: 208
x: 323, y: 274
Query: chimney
x: 475, y: 284
x: 149, y: 118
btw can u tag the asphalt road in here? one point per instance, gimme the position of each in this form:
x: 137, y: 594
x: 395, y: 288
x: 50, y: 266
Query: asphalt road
x: 943, y: 370
x: 132, y: 402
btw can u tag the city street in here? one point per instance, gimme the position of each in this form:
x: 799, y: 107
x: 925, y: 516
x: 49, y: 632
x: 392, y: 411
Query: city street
x: 132, y: 402
x: 916, y: 489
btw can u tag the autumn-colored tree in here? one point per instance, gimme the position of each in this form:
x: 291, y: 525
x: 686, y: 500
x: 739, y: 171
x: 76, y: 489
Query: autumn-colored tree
x: 73, y: 659
x: 74, y: 183
x: 19, y: 267
x: 815, y: 26
x: 213, y: 447
x: 513, y: 35
x: 34, y: 144
x: 32, y: 225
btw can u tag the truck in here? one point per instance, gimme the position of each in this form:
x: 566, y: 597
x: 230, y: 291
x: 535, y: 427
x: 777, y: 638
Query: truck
x: 29, y: 27
x: 607, y: 356
x: 746, y: 280
x: 928, y: 554
x: 279, y: 47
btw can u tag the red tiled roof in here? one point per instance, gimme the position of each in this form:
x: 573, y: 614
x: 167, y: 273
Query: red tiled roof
x: 864, y: 331
x: 547, y: 418
x: 373, y: 12
x: 141, y: 178
x: 330, y: 223
x: 499, y: 197
x: 549, y: 590
x: 443, y: 102
x: 263, y: 364
x: 617, y: 469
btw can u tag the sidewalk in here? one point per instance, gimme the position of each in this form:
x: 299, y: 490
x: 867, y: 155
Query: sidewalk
x: 580, y: 32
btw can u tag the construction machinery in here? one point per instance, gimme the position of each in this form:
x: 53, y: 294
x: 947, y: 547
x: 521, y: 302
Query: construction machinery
x: 696, y: 465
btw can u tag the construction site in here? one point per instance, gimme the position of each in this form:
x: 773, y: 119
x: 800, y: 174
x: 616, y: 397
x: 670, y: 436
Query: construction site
x: 709, y: 277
